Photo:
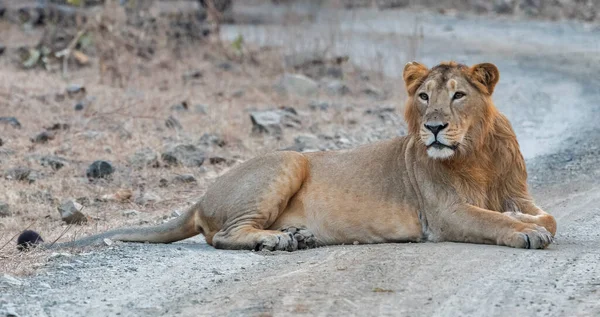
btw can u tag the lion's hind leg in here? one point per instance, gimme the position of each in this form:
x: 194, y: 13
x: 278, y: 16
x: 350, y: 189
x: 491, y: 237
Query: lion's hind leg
x: 250, y: 238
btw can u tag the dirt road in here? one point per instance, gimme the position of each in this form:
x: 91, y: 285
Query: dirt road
x: 549, y: 90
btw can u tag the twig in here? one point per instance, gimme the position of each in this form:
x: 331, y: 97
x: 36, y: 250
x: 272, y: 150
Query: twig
x: 66, y: 53
x: 61, y: 234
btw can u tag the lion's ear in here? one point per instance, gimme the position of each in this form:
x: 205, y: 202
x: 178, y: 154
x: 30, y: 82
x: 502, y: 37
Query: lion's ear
x: 486, y: 74
x: 414, y: 74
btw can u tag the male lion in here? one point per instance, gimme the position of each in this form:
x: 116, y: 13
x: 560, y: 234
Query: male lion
x: 457, y: 176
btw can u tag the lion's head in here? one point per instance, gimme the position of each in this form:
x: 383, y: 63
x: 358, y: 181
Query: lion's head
x: 449, y: 106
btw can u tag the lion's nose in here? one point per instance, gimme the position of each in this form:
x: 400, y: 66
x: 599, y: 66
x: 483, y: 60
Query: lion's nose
x: 435, y: 128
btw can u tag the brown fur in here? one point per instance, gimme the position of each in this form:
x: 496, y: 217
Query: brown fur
x: 470, y: 188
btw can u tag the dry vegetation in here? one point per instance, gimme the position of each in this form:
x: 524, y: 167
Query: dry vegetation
x: 129, y: 99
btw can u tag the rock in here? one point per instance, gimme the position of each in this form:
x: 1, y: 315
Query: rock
x: 226, y: 66
x: 337, y: 87
x: 58, y: 127
x: 217, y: 160
x: 99, y: 169
x: 1, y: 142
x: 162, y: 183
x: 146, y: 157
x: 130, y: 213
x: 306, y: 143
x: 146, y: 198
x: 272, y: 121
x: 70, y: 212
x: 175, y: 214
x: 19, y: 174
x: 75, y: 91
x: 211, y: 139
x: 319, y: 105
x: 83, y: 103
x: 12, y: 121
x: 504, y: 6
x: 184, y: 178
x: 43, y: 137
x: 108, y: 242
x: 298, y: 84
x: 202, y: 109
x: 193, y: 74
x: 4, y: 210
x: 184, y: 154
x: 173, y: 123
x: 182, y: 106
x: 374, y: 92
x: 54, y: 162
x: 2, y: 49
x: 83, y: 200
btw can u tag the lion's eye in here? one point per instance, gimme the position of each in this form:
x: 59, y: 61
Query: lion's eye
x: 458, y: 95
x: 423, y: 96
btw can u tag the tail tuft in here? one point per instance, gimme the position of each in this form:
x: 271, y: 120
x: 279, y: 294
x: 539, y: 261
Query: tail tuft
x: 28, y: 239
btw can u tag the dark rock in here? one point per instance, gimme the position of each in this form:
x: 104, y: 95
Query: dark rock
x: 217, y: 160
x: 184, y: 178
x: 226, y: 66
x: 145, y: 157
x: 58, y: 126
x: 53, y: 162
x: 319, y: 105
x: 70, y: 212
x: 173, y: 123
x: 11, y: 121
x: 83, y: 103
x: 392, y: 4
x: 43, y: 137
x: 184, y: 154
x: 99, y: 169
x: 27, y: 239
x: 1, y: 142
x: 4, y: 210
x: 78, y: 106
x: 163, y: 183
x: 2, y: 48
x: 504, y: 6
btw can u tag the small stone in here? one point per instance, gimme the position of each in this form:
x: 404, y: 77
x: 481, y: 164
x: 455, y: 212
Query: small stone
x: 319, y: 105
x: 75, y: 90
x: 54, y: 162
x: 58, y: 126
x: 4, y: 210
x: 173, y: 123
x: 298, y: 84
x: 273, y: 121
x: 217, y: 160
x: 130, y: 213
x: 202, y: 109
x: 78, y: 106
x: 184, y: 154
x: 182, y: 106
x: 19, y: 174
x: 225, y: 66
x: 184, y: 178
x: 70, y: 212
x: 163, y: 183
x: 193, y: 74
x: 374, y: 92
x: 145, y: 157
x: 210, y: 139
x: 337, y: 87
x: 355, y: 243
x: 83, y: 200
x: 12, y: 121
x: 175, y: 214
x: 108, y: 242
x: 43, y: 137
x: 2, y: 48
x: 99, y: 169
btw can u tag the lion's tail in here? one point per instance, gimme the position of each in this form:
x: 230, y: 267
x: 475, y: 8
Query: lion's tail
x: 180, y: 228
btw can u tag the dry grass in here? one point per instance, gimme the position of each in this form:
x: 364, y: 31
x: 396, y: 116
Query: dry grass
x: 122, y: 120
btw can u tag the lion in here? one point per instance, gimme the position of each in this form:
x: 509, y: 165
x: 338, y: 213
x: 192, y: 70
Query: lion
x: 458, y: 175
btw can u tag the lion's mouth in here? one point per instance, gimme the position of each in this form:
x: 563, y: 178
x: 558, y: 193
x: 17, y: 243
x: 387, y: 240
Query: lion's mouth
x: 439, y: 145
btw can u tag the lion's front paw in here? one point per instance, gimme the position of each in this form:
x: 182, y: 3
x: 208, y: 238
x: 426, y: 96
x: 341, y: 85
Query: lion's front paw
x: 530, y: 237
x: 283, y: 241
